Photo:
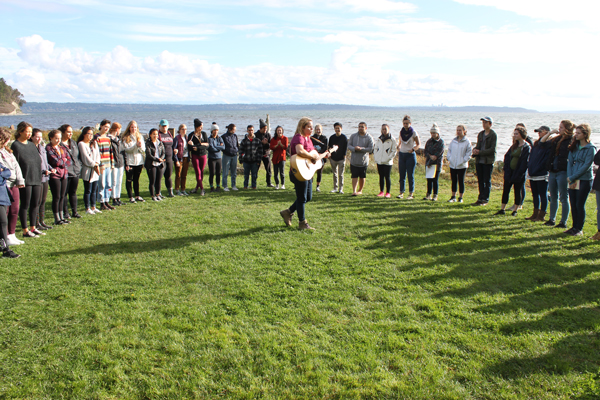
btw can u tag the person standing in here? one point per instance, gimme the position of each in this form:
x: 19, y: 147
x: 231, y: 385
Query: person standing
x: 36, y: 138
x: 360, y: 145
x: 459, y: 154
x: 230, y: 154
x: 279, y: 145
x: 198, y: 147
x: 407, y: 157
x: 265, y: 138
x: 579, y: 176
x: 182, y: 160
x: 29, y: 160
x: 515, y: 167
x: 485, y: 156
x: 90, y: 168
x: 215, y: 147
x: 557, y: 178
x: 134, y: 148
x: 251, y: 154
x: 167, y: 140
x: 73, y: 169
x: 154, y: 164
x: 5, y: 201
x: 384, y: 152
x: 434, y: 155
x: 596, y: 187
x: 302, y: 146
x: 106, y: 163
x: 13, y: 184
x: 338, y: 158
x: 320, y: 143
x: 537, y: 170
x: 118, y: 156
x: 58, y: 161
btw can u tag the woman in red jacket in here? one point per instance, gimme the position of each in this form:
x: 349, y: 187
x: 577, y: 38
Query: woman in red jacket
x: 279, y: 145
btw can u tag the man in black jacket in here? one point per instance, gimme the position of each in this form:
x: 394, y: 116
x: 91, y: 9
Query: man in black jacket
x: 265, y: 139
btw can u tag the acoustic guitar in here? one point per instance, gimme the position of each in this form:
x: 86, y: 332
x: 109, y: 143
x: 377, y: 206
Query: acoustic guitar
x: 304, y: 168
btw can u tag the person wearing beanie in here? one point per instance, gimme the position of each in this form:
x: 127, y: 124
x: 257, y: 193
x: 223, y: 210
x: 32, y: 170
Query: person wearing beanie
x: 215, y: 147
x: 265, y: 138
x: 198, y: 147
x: 434, y: 155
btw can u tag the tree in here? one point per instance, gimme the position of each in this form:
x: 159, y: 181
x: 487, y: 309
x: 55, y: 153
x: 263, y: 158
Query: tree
x: 10, y: 95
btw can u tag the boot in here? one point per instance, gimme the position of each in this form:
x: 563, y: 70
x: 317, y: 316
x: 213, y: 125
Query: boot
x: 303, y: 225
x: 287, y: 216
x: 534, y: 215
x: 540, y: 217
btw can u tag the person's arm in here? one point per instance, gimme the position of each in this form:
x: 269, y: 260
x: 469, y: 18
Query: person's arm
x: 468, y: 152
x: 369, y: 148
x: 519, y: 173
x: 54, y: 160
x: 220, y: 144
x: 417, y: 143
x: 545, y: 137
x: 351, y: 144
x: 274, y: 144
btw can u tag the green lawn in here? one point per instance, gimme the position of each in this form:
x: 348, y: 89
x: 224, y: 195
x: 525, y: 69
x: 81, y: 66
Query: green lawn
x: 213, y: 297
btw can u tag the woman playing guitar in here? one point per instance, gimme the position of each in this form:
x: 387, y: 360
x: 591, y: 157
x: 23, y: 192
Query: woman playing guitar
x: 302, y: 146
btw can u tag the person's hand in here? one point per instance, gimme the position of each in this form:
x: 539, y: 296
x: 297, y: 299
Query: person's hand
x: 139, y: 143
x: 20, y: 186
x: 191, y: 143
x: 264, y: 140
x: 475, y: 151
x: 175, y: 151
x: 178, y: 163
x: 433, y: 158
x: 357, y: 148
x: 127, y: 168
x: 194, y: 148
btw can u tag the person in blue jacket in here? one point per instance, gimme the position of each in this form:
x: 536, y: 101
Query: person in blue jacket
x: 215, y: 147
x: 515, y: 166
x: 579, y: 176
x: 5, y: 201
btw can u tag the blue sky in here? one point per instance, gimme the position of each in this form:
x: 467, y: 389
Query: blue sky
x: 534, y: 54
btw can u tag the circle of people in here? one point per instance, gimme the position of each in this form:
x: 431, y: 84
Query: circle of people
x: 558, y: 164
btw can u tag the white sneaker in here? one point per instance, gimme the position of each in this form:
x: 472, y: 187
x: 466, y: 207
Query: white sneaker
x: 235, y: 189
x: 341, y: 191
x: 333, y: 191
x: 88, y: 211
x: 276, y: 187
x: 226, y: 189
x: 318, y: 188
x: 283, y: 186
x: 96, y: 211
x: 13, y: 241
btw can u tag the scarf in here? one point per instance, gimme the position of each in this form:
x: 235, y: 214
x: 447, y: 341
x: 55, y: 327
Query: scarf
x: 406, y: 134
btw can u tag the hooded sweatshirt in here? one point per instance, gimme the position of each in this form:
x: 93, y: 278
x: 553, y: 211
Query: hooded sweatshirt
x: 459, y: 153
x: 384, y: 150
x: 360, y: 158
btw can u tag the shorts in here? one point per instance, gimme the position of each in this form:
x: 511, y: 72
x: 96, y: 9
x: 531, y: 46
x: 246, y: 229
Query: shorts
x: 358, y: 172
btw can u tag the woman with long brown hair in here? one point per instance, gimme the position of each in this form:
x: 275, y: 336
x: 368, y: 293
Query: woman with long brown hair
x: 515, y: 167
x: 13, y: 184
x: 73, y: 169
x: 134, y: 148
x: 58, y: 160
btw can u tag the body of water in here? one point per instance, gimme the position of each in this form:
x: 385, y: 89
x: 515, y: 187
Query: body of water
x: 504, y: 123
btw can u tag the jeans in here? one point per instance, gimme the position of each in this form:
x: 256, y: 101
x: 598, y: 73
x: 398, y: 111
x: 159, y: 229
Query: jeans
x: 384, y: 177
x: 577, y: 198
x: 251, y: 168
x: 338, y: 167
x: 117, y: 181
x: 558, y: 187
x: 407, y: 163
x: 278, y: 172
x: 105, y: 185
x: 458, y: 179
x: 89, y: 194
x: 539, y: 191
x: 303, y: 196
x: 484, y: 179
x: 229, y: 166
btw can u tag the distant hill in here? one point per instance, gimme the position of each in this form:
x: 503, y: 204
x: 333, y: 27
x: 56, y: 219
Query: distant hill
x: 33, y: 107
x: 10, y: 99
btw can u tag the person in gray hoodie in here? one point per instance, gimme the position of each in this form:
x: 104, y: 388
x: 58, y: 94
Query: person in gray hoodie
x: 360, y: 145
x: 459, y: 154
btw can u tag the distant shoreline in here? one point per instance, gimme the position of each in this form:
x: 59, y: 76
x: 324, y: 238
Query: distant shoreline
x: 32, y: 107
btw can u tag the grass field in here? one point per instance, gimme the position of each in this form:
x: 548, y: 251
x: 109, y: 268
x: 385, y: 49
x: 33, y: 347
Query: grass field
x: 213, y: 297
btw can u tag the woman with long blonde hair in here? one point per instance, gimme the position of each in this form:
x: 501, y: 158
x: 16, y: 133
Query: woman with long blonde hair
x: 134, y: 148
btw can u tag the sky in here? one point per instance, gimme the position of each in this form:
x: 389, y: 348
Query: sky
x: 529, y: 53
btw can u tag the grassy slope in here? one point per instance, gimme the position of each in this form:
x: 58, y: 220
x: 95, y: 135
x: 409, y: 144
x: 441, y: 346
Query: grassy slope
x: 214, y: 297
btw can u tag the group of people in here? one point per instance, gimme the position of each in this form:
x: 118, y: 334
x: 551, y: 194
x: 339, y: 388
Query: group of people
x: 558, y: 165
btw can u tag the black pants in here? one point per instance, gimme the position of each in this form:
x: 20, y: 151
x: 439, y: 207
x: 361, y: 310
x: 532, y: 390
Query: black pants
x: 278, y: 171
x: 3, y: 228
x: 577, y: 199
x: 30, y: 200
x: 155, y: 175
x: 458, y: 179
x: 517, y: 189
x: 58, y: 187
x: 168, y: 171
x: 539, y: 192
x: 214, y: 169
x: 42, y: 202
x: 433, y: 183
x: 72, y: 184
x: 384, y: 177
x: 484, y: 179
x: 267, y: 163
x: 133, y: 177
x: 320, y: 173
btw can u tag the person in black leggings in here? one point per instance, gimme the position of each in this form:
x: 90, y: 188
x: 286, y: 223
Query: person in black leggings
x: 167, y: 140
x: 36, y: 138
x: 58, y: 160
x: 31, y: 165
x: 4, y: 202
x: 155, y: 162
x: 73, y: 169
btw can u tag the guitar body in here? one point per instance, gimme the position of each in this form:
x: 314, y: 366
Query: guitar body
x: 303, y: 168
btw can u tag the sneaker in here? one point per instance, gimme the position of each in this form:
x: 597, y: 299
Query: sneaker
x: 76, y: 215
x: 381, y: 194
x: 109, y: 206
x: 270, y: 185
x: 202, y: 192
x: 48, y: 227
x: 277, y: 187
x: 388, y: 196
x: 13, y: 241
x: 318, y: 188
x: 477, y: 203
x: 154, y: 198
x: 132, y: 200
x: 90, y: 212
x: 283, y: 186
x: 178, y: 193
x: 30, y: 234
x: 8, y: 253
x: 103, y: 207
x: 500, y: 212
x: 140, y: 199
x: 194, y: 191
x: 400, y: 196
x: 410, y: 196
x: 38, y: 232
x: 460, y: 199
x: 341, y: 191
x: 226, y: 189
x: 235, y: 189
x: 40, y: 227
x: 569, y: 231
x: 576, y: 233
x: 95, y: 210
x: 561, y: 225
x: 333, y: 191
x: 160, y: 196
x: 287, y: 216
x: 514, y: 213
x: 115, y: 203
x: 434, y: 198
x: 428, y: 197
x: 184, y: 193
x: 549, y: 223
x: 304, y: 226
x: 452, y: 200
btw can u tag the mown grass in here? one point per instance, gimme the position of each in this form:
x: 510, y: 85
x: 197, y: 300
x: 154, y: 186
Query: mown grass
x: 213, y: 297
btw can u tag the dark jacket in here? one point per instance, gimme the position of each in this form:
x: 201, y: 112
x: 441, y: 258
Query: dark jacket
x: 558, y: 162
x: 58, y: 160
x: 320, y: 147
x: 151, y: 151
x: 215, y: 147
x: 434, y: 148
x: 596, y: 185
x: 251, y: 151
x: 200, y: 150
x: 487, y: 155
x: 30, y: 162
x: 117, y: 152
x: 178, y: 144
x: 5, y: 198
x: 539, y: 159
x: 72, y: 150
x: 232, y: 144
x: 44, y: 160
x: 265, y: 147
x: 518, y: 174
x: 342, y: 143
